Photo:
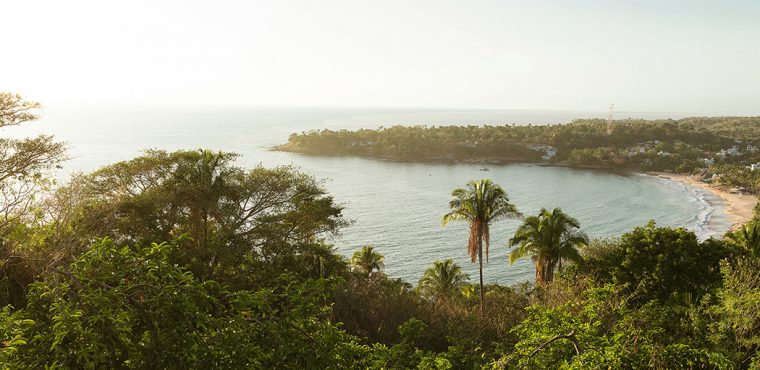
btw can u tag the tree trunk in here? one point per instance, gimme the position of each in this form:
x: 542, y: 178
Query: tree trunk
x: 540, y: 270
x: 480, y: 259
x: 552, y: 268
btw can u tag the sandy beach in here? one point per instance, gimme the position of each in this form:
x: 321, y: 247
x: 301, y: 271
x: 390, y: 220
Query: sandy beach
x: 739, y: 207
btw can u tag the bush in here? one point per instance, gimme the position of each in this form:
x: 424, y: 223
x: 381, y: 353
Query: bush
x: 658, y: 262
x: 117, y: 307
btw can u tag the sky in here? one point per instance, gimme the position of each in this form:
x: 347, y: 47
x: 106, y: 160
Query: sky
x: 662, y: 56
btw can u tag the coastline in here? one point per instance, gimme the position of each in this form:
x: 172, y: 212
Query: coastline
x: 738, y: 207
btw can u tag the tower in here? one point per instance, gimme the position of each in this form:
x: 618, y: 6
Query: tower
x: 609, y: 119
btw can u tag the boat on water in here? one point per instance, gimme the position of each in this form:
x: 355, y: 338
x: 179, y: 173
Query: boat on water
x: 483, y: 165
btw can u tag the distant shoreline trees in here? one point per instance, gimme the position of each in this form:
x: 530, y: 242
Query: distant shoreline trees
x: 703, y: 145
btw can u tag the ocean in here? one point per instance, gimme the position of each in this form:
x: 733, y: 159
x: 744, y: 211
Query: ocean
x: 397, y: 207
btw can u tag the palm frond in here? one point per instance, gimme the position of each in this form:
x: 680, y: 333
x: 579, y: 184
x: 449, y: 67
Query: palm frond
x: 548, y: 238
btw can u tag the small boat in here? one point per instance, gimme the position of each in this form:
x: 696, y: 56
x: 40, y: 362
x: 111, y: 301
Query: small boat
x: 483, y: 166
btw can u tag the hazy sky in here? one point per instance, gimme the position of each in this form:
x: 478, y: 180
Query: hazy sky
x: 687, y: 56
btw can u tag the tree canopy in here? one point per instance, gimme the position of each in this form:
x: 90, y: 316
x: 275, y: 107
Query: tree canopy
x: 185, y: 260
x: 548, y: 238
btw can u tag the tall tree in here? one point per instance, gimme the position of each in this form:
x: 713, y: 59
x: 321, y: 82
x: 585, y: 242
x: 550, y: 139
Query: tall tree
x: 241, y: 227
x: 366, y: 261
x: 443, y: 280
x: 23, y: 162
x: 548, y: 238
x: 480, y: 203
x: 24, y: 166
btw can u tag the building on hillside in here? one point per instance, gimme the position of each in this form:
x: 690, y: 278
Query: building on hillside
x: 360, y: 144
x: 733, y: 151
x: 633, y: 150
x: 549, y: 154
x: 548, y: 150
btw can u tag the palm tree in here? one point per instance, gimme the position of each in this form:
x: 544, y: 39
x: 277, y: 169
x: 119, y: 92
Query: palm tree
x: 747, y: 237
x: 366, y: 261
x: 548, y: 238
x: 200, y: 181
x: 479, y: 204
x: 444, y: 279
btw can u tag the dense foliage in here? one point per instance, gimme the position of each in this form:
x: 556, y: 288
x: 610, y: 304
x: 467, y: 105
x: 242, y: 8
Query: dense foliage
x: 691, y: 145
x: 184, y: 260
x: 130, y: 307
x: 652, y: 263
x: 549, y: 238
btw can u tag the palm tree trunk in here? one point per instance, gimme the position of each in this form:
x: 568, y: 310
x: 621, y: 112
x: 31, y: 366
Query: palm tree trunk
x: 480, y: 258
x: 550, y: 267
x: 540, y: 270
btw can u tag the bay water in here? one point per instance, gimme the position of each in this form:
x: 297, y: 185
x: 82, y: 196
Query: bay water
x: 397, y: 207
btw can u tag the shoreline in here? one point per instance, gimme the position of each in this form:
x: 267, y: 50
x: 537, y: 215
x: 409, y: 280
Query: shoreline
x: 739, y: 208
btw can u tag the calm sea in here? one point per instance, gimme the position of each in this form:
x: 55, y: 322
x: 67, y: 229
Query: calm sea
x: 396, y: 207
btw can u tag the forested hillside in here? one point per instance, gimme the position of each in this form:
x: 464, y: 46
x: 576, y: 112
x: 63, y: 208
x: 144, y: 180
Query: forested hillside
x: 689, y: 145
x: 186, y: 260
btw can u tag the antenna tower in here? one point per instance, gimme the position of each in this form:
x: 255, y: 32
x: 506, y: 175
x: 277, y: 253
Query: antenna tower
x: 609, y: 119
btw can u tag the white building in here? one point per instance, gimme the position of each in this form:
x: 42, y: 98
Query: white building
x: 733, y: 151
x: 549, y: 154
x: 549, y: 151
x: 633, y: 150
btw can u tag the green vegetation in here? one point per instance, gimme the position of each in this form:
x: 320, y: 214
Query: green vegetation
x: 723, y: 146
x: 549, y: 238
x: 747, y: 238
x: 738, y: 175
x: 184, y: 260
x: 479, y: 204
x: 651, y: 263
x: 444, y: 280
x: 368, y: 262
